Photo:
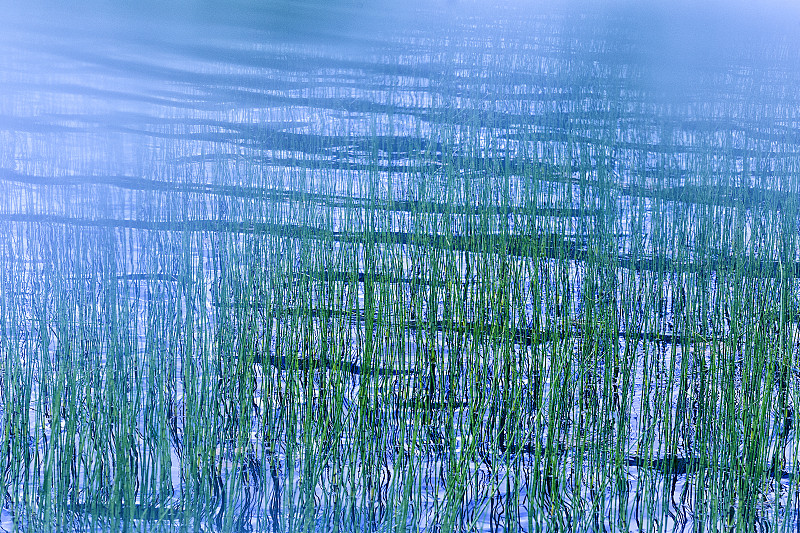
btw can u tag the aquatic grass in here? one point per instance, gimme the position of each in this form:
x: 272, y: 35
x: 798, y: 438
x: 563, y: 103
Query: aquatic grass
x: 527, y: 313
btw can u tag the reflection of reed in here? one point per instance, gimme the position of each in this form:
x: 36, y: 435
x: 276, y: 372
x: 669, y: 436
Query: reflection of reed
x: 441, y: 287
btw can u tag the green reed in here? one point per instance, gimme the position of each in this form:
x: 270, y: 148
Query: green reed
x: 533, y: 320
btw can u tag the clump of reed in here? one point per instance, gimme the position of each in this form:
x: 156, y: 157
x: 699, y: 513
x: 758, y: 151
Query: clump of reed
x: 517, y: 316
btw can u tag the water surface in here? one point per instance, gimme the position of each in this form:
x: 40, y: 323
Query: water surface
x: 303, y: 266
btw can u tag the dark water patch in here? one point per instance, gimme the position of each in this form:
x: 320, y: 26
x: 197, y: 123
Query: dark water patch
x: 670, y: 465
x: 354, y: 316
x: 517, y: 334
x: 144, y: 512
x: 425, y: 207
x: 143, y: 184
x: 286, y: 230
x: 551, y: 246
x: 141, y: 69
x: 746, y: 197
x: 334, y: 162
x: 345, y: 147
x: 539, y: 245
x: 36, y: 125
x: 296, y: 62
x: 681, y: 466
x: 149, y: 277
x: 527, y: 245
x: 426, y: 403
x: 749, y: 267
x: 516, y: 449
x: 327, y: 276
x: 212, y: 90
x: 112, y: 121
x: 306, y: 364
x: 272, y: 194
x: 161, y: 97
x: 119, y: 181
x: 502, y: 332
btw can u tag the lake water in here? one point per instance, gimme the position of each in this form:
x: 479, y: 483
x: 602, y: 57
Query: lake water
x: 351, y: 266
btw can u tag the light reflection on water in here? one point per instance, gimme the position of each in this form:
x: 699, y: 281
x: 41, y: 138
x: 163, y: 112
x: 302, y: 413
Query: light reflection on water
x: 164, y: 158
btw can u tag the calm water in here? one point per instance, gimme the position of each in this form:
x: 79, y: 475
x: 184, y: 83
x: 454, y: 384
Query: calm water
x: 163, y: 168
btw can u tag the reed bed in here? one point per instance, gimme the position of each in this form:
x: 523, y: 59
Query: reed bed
x: 398, y: 303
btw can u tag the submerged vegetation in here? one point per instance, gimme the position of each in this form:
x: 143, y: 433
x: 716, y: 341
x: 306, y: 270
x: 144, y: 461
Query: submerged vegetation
x: 457, y: 282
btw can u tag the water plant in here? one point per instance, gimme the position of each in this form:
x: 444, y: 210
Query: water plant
x: 501, y: 284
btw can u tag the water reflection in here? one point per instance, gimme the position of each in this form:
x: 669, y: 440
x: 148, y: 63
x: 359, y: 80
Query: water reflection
x: 294, y: 266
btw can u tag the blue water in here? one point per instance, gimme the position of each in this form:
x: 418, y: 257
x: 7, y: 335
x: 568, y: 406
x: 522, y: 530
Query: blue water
x: 151, y: 155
